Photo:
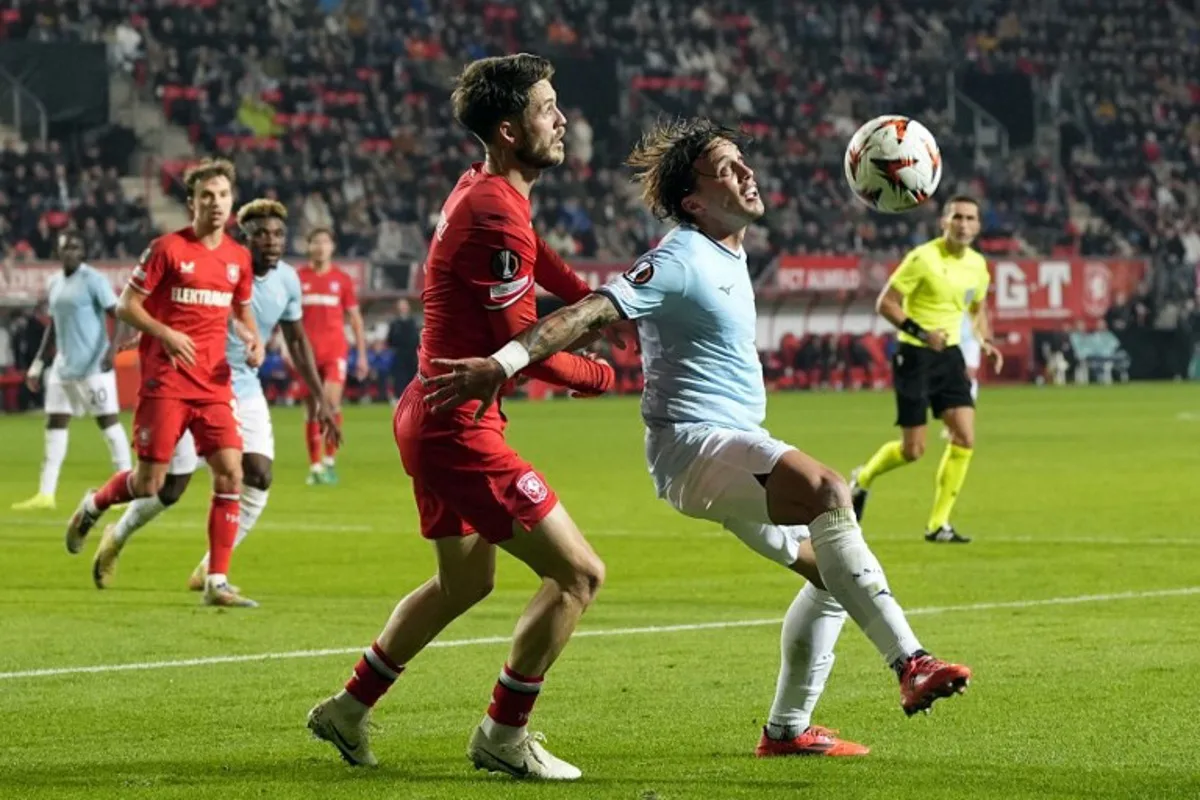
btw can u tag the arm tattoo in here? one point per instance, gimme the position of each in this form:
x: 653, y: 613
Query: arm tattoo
x: 556, y: 331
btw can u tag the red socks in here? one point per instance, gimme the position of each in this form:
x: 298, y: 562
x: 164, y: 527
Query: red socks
x: 312, y: 437
x: 117, y: 490
x: 224, y: 516
x: 373, y: 675
x: 513, y: 698
x: 330, y: 447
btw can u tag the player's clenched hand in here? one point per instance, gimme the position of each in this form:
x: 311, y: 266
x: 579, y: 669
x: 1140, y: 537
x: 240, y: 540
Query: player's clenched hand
x: 179, y: 347
x: 255, y: 353
x: 362, y: 367
x: 468, y: 379
x: 598, y: 360
x: 994, y: 355
x: 937, y: 341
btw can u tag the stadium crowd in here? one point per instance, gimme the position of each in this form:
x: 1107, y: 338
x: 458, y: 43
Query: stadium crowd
x: 43, y: 189
x: 341, y: 110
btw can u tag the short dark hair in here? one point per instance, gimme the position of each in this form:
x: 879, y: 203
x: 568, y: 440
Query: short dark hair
x: 663, y: 162
x: 491, y: 90
x: 960, y: 198
x: 208, y: 169
x: 315, y: 232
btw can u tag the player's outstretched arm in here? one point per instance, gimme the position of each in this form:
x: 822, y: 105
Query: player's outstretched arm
x: 300, y: 351
x: 481, y: 378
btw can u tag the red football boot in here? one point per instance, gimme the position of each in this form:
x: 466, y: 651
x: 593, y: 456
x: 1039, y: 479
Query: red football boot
x: 815, y: 741
x: 925, y: 679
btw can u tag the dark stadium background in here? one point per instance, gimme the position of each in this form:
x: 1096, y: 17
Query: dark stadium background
x: 1075, y: 122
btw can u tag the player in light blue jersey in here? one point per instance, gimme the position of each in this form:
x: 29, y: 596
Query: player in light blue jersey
x: 703, y: 407
x: 276, y: 301
x: 81, y: 379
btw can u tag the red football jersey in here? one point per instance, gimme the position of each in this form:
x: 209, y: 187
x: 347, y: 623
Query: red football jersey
x: 483, y: 263
x: 326, y: 297
x: 191, y: 289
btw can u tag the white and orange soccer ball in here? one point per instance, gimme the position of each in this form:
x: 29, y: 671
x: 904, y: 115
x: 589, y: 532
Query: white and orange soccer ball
x: 893, y: 164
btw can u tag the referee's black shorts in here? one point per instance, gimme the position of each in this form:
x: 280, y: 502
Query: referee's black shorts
x: 925, y: 379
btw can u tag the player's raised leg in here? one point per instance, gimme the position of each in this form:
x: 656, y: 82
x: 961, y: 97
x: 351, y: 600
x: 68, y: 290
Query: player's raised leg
x: 159, y: 423
x: 466, y: 574
x: 802, y: 491
x: 143, y: 510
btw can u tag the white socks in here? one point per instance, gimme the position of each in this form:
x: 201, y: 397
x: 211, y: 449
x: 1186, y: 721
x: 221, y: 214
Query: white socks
x: 854, y: 576
x: 810, y: 630
x: 118, y: 447
x: 139, y: 512
x: 251, y: 506
x: 56, y: 453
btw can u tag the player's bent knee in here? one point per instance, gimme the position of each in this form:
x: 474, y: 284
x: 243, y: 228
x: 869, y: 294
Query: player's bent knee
x: 912, y: 451
x: 465, y: 593
x: 832, y: 490
x: 256, y: 472
x: 107, y: 421
x: 173, y: 487
x: 585, y: 581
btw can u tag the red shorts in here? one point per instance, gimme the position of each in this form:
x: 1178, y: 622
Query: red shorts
x: 331, y: 370
x: 159, y: 422
x: 466, y: 480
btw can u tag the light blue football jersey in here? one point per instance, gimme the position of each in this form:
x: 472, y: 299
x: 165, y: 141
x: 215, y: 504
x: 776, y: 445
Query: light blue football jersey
x: 78, y: 305
x: 276, y: 298
x: 694, y: 305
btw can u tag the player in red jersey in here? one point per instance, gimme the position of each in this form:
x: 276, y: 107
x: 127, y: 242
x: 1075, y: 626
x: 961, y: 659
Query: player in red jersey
x: 473, y: 492
x: 180, y: 297
x: 328, y: 299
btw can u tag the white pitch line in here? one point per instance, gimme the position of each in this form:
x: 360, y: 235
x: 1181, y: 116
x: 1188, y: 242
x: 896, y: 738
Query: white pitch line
x: 696, y: 626
x: 198, y: 523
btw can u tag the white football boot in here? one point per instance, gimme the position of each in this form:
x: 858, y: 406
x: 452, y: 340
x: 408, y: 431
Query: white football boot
x: 525, y: 758
x: 331, y: 721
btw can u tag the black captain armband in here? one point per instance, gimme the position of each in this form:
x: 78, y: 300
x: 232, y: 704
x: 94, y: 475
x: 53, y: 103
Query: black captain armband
x: 914, y: 330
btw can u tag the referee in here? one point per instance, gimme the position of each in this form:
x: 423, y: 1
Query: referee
x: 925, y: 299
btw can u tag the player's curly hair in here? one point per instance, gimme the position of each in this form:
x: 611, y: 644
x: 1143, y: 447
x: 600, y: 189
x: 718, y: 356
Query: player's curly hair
x: 261, y: 209
x: 663, y: 162
x: 491, y: 90
x: 206, y: 170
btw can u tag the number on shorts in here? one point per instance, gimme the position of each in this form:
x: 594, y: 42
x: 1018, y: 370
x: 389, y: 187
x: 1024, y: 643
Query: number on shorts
x: 97, y: 398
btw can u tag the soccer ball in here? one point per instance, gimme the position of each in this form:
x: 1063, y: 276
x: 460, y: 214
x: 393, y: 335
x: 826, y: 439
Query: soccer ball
x: 893, y: 164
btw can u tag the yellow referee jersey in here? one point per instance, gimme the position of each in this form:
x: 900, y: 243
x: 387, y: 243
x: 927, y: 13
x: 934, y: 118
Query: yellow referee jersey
x: 939, y: 287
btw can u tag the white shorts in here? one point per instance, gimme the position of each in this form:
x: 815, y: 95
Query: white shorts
x: 721, y: 482
x: 254, y: 423
x: 971, y: 352
x: 96, y: 394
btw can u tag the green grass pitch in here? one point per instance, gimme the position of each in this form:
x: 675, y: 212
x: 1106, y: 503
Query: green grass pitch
x: 1078, y: 606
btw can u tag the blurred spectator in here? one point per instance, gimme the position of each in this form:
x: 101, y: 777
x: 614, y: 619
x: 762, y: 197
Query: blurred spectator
x: 403, y: 337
